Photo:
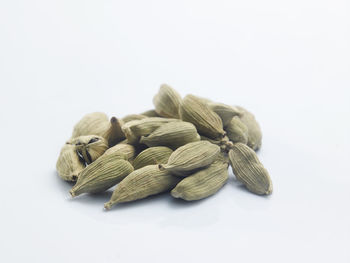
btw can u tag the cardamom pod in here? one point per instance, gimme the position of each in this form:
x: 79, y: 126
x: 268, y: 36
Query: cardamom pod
x: 254, y: 131
x: 225, y: 112
x: 124, y: 150
x: 101, y: 175
x: 207, y: 122
x: 172, y: 135
x: 141, y: 183
x: 135, y: 129
x: 249, y: 170
x: 190, y: 157
x: 167, y: 102
x: 237, y: 131
x: 203, y: 183
x: 133, y: 117
x: 153, y: 155
x: 97, y: 123
x: 90, y: 147
x: 150, y: 113
x: 68, y: 164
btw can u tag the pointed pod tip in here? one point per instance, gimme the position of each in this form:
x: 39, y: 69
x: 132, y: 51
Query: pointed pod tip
x: 72, y: 193
x: 107, y: 206
x: 161, y: 167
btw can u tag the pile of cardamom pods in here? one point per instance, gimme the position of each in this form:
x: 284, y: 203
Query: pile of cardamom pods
x: 185, y: 145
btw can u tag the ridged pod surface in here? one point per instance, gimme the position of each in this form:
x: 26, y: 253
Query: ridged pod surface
x: 203, y: 183
x: 190, y: 157
x: 249, y: 170
x: 142, y: 183
x: 105, y: 172
x: 153, y: 155
x: 135, y: 129
x: 237, y: 131
x: 150, y: 113
x: 254, y: 131
x: 207, y: 122
x: 96, y: 123
x: 126, y: 151
x: 172, y: 135
x: 225, y: 112
x: 133, y: 117
x: 68, y: 164
x: 167, y: 102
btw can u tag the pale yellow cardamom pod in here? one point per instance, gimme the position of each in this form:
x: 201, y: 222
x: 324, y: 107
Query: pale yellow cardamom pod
x: 105, y: 172
x: 254, y: 131
x: 142, y: 183
x: 172, y: 135
x: 207, y: 122
x: 249, y: 170
x: 68, y: 164
x: 124, y: 150
x: 237, y: 131
x: 153, y: 155
x: 133, y: 130
x: 150, y: 113
x: 203, y: 183
x: 133, y: 117
x: 167, y: 102
x: 225, y: 112
x: 190, y: 157
x: 90, y: 147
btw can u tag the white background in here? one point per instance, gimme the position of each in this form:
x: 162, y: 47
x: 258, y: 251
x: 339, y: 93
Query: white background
x: 286, y: 61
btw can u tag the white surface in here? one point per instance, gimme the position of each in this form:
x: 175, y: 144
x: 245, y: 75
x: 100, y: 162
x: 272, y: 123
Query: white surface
x: 286, y: 61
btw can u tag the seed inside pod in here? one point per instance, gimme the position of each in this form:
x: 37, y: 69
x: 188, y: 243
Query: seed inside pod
x: 90, y: 147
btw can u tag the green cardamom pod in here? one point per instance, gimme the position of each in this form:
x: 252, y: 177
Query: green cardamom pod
x: 203, y: 183
x: 249, y: 170
x: 153, y: 155
x: 114, y: 133
x: 207, y: 122
x: 68, y: 164
x: 150, y: 113
x: 124, y: 150
x: 225, y: 112
x: 141, y: 183
x: 102, y: 174
x: 133, y: 130
x: 133, y: 117
x: 172, y: 135
x: 167, y: 102
x: 90, y: 147
x: 190, y: 157
x: 254, y: 131
x: 237, y: 131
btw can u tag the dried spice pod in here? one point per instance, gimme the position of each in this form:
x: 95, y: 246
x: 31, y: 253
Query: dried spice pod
x: 95, y: 123
x: 150, y: 113
x: 105, y: 172
x: 167, y: 102
x: 172, y: 135
x: 133, y: 117
x: 90, y: 147
x: 190, y: 157
x: 225, y: 112
x: 237, y: 131
x: 203, y: 183
x: 254, y: 131
x: 249, y: 170
x: 153, y: 155
x: 68, y: 164
x: 114, y: 133
x: 124, y: 150
x: 142, y: 183
x: 133, y: 130
x: 207, y: 122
